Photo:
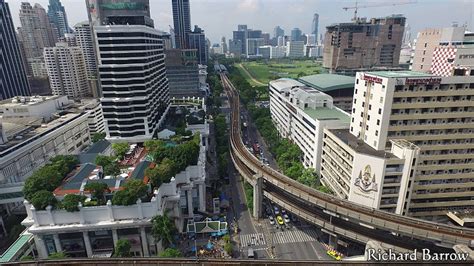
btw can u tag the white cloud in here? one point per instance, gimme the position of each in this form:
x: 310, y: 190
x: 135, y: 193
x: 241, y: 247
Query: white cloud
x: 249, y: 5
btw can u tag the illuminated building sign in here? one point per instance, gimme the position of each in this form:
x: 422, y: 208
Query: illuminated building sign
x: 372, y: 79
x: 421, y: 81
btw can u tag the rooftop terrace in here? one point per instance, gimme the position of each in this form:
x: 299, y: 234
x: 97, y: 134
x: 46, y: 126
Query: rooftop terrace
x: 358, y: 145
x: 399, y: 74
x: 325, y: 113
x: 328, y: 82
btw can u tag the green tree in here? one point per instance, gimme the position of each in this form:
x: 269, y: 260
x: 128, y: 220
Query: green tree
x: 42, y: 199
x: 163, y: 229
x: 295, y: 170
x: 97, y: 137
x: 324, y: 189
x: 133, y: 190
x: 226, y: 238
x: 122, y: 248
x: 228, y: 248
x: 166, y: 170
x: 308, y: 178
x: 120, y: 149
x: 71, y: 201
x: 97, y: 190
x: 57, y: 256
x: 112, y: 169
x: 103, y: 160
x: 153, y: 145
x: 170, y: 253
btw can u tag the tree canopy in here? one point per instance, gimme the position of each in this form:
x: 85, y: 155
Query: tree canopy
x: 57, y: 256
x: 71, y: 201
x: 50, y: 176
x: 97, y: 137
x: 120, y: 149
x: 122, y: 248
x: 170, y: 253
x: 97, y: 190
x: 109, y: 164
x: 133, y: 190
x: 163, y: 229
x: 42, y: 199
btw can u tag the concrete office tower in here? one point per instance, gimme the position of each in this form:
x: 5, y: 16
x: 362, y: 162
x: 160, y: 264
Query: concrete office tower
x: 84, y: 40
x: 277, y: 32
x: 223, y: 45
x: 13, y: 81
x: 363, y: 44
x: 182, y: 72
x: 310, y: 39
x: 433, y: 113
x: 235, y: 47
x: 197, y: 40
x: 266, y: 38
x: 281, y: 41
x: 242, y: 27
x: 296, y: 35
x: 66, y: 70
x: 442, y: 40
x: 315, y: 26
x: 35, y: 33
x: 57, y: 16
x: 242, y: 37
x: 252, y: 46
x: 295, y: 49
x: 182, y: 22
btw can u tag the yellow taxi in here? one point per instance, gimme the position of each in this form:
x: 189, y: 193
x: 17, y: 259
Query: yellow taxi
x: 280, y: 220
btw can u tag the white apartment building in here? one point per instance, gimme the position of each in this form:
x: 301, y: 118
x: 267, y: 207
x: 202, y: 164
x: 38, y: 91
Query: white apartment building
x: 433, y: 114
x: 252, y: 46
x: 357, y: 172
x: 295, y: 49
x: 96, y: 117
x: 94, y: 231
x: 66, y: 70
x: 135, y: 93
x: 277, y: 52
x: 84, y: 39
x: 300, y: 113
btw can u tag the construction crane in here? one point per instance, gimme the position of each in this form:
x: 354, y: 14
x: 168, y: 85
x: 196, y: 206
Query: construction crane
x: 356, y: 7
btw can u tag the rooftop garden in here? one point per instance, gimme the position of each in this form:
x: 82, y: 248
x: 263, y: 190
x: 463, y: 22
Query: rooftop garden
x: 168, y: 160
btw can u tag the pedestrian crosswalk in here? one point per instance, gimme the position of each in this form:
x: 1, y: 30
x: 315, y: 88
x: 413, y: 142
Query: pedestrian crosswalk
x: 257, y: 239
x: 294, y: 236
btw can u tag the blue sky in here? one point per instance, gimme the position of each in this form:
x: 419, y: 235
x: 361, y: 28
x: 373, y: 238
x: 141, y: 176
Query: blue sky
x: 220, y: 17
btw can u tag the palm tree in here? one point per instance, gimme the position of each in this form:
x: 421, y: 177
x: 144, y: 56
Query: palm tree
x: 163, y: 228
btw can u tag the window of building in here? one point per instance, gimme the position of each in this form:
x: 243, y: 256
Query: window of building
x: 353, y: 110
x: 367, y: 127
x: 370, y: 106
x: 421, y: 66
x: 361, y: 114
x: 380, y: 111
x: 352, y: 129
x: 426, y: 44
x: 376, y: 132
x: 364, y: 93
x: 368, y: 117
x: 378, y: 122
x: 355, y: 100
x: 353, y: 119
x: 423, y: 60
x: 375, y: 143
x: 424, y: 52
x: 363, y: 104
x: 381, y: 99
x: 357, y: 81
x: 355, y: 92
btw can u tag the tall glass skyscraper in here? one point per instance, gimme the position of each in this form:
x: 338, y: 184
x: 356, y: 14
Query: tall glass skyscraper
x: 57, y: 16
x: 13, y: 81
x: 315, y: 25
x: 182, y: 22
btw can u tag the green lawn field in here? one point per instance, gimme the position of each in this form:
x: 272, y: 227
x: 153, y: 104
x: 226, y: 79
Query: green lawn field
x: 264, y: 71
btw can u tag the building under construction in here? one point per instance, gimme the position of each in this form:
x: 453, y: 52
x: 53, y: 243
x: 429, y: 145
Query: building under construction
x: 362, y: 44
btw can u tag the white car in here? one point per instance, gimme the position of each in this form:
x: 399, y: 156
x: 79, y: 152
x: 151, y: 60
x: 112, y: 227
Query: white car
x: 272, y: 220
x: 286, y: 218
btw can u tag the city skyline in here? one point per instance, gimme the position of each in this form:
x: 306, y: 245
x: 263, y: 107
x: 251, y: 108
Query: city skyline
x: 265, y: 15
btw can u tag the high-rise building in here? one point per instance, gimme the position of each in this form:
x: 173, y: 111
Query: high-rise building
x: 182, y: 72
x: 310, y: 39
x: 84, y: 39
x: 57, y: 16
x: 242, y: 27
x: 252, y: 46
x: 281, y: 41
x: 439, y: 123
x: 197, y: 40
x: 223, y: 45
x: 296, y: 35
x: 182, y: 22
x: 134, y: 87
x: 364, y: 44
x: 112, y: 12
x: 266, y: 38
x: 277, y: 32
x: 235, y: 47
x: 295, y: 49
x: 242, y: 37
x: 13, y: 81
x: 66, y: 69
x: 315, y: 26
x: 35, y: 33
x: 436, y: 50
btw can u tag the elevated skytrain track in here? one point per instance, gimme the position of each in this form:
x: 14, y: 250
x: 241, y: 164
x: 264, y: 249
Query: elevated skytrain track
x: 395, y: 228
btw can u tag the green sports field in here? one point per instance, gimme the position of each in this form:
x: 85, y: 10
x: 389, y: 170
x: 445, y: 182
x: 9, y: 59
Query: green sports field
x: 264, y: 71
